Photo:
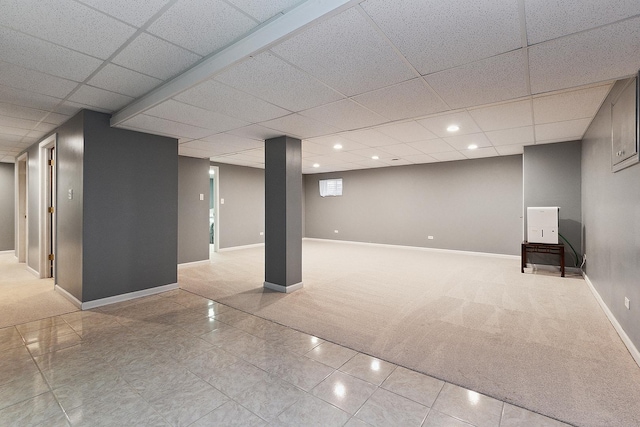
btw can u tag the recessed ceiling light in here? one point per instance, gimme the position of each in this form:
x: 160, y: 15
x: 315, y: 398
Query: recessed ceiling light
x: 316, y: 165
x: 472, y: 147
x: 338, y: 146
x: 375, y: 157
x: 453, y: 128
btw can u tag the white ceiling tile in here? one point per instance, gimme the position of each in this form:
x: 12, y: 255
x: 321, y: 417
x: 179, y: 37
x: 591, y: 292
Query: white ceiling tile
x: 210, y: 148
x: 18, y: 112
x: 461, y: 142
x: 9, y: 130
x: 490, y: 80
x: 240, y: 144
x: 571, y: 105
x: 27, y: 99
x: 56, y: 118
x: 256, y: 152
x: 36, y: 54
x: 345, y: 115
x: 121, y: 80
x: 35, y: 81
x: 324, y: 160
x: 278, y: 82
x: 263, y: 10
x: 188, y: 114
x: 561, y: 130
x: 397, y: 161
x: 45, y: 127
x: 370, y: 138
x: 368, y: 153
x: 255, y: 132
x: 343, y: 49
x: 71, y: 108
x: 457, y: 32
x: 67, y: 23
x: 503, y: 116
x: 439, y: 124
x: 432, y: 146
x: 602, y: 54
x: 95, y: 97
x: 132, y: 12
x: 402, y: 150
x: 341, y: 138
x: 449, y: 156
x: 406, y: 132
x: 311, y: 148
x: 549, y: 20
x: 202, y: 26
x: 403, y: 101
x: 215, y: 96
x: 160, y: 126
x: 17, y: 123
x: 508, y: 150
x: 480, y: 153
x: 190, y: 152
x: 523, y: 135
x: 299, y: 126
x: 150, y: 55
x: 420, y: 158
x: 10, y: 140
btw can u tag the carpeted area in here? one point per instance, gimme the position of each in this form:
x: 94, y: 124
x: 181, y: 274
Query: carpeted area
x: 535, y: 340
x: 25, y: 298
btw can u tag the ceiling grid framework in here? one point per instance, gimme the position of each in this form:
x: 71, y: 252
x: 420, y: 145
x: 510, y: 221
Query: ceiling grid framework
x: 378, y: 78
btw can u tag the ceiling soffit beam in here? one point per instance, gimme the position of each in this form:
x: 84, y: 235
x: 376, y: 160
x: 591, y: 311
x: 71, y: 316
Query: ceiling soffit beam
x: 274, y: 31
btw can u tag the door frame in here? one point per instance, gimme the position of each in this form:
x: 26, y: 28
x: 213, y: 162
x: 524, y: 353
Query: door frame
x: 22, y: 208
x: 216, y: 207
x: 47, y: 228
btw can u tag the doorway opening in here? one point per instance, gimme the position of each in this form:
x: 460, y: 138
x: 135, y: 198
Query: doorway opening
x: 21, y: 208
x: 47, y: 210
x: 214, y: 209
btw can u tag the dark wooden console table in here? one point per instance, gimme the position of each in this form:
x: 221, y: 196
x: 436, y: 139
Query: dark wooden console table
x: 542, y: 248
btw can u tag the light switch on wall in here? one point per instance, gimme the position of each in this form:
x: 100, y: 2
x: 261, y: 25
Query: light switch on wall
x: 70, y: 194
x: 201, y: 196
x: 222, y: 201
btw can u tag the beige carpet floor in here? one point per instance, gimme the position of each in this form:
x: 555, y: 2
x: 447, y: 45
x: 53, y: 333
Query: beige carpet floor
x: 535, y: 340
x: 25, y: 298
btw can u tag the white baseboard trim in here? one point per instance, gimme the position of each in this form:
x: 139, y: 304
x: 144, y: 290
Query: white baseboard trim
x: 555, y: 268
x: 237, y: 248
x: 32, y: 271
x: 126, y: 297
x: 283, y: 289
x: 623, y: 335
x: 10, y: 251
x: 75, y: 301
x: 416, y: 248
x: 189, y: 264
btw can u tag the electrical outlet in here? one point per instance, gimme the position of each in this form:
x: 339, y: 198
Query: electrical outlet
x: 627, y: 303
x: 430, y: 237
x: 262, y: 233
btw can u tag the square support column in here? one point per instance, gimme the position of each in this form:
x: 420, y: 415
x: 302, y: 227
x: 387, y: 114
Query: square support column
x: 283, y: 214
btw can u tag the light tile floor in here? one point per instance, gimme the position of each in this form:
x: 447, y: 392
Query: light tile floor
x: 180, y: 359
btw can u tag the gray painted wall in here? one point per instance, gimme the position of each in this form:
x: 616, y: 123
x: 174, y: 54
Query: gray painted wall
x: 611, y: 218
x: 69, y: 174
x: 130, y: 222
x: 193, y: 213
x: 552, y: 177
x: 7, y: 207
x: 242, y: 215
x: 469, y: 205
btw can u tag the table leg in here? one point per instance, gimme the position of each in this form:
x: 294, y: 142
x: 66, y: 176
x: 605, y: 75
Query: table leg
x: 523, y: 258
x: 562, y: 262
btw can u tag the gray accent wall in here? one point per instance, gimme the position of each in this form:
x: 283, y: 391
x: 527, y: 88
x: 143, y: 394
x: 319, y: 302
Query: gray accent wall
x: 468, y: 205
x: 242, y: 215
x: 611, y: 218
x: 193, y: 213
x: 7, y: 206
x: 552, y: 177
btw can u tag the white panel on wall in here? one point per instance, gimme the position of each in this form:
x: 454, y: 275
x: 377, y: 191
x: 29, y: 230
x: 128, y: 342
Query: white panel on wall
x: 403, y: 101
x: 150, y: 55
x: 406, y: 132
x: 597, y: 55
x: 503, y: 116
x: 490, y: 80
x: 493, y: 25
x: 202, y: 26
x: 341, y: 50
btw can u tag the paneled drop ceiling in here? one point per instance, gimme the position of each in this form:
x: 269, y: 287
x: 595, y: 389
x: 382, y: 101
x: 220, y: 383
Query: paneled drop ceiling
x: 380, y: 78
